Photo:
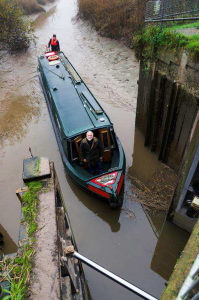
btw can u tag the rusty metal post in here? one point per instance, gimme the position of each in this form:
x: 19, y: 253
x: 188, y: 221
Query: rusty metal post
x: 20, y: 191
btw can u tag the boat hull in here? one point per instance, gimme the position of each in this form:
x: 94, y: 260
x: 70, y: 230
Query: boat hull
x: 113, y: 195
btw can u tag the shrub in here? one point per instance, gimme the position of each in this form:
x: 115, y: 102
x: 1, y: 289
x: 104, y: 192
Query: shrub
x: 149, y: 40
x: 16, y: 33
x: 114, y: 18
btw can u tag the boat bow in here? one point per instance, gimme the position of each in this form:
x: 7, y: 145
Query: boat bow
x: 108, y: 186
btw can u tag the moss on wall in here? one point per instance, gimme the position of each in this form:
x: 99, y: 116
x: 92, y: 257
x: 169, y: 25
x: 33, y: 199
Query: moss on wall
x: 150, y: 40
x: 183, y: 266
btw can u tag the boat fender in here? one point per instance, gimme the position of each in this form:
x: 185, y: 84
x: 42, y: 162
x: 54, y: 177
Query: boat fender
x: 53, y: 57
x: 114, y: 203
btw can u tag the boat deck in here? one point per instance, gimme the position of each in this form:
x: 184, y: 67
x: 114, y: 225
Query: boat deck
x: 106, y: 166
x: 77, y: 109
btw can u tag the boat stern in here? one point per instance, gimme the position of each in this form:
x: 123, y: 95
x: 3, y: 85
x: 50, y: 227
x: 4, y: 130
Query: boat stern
x: 108, y: 186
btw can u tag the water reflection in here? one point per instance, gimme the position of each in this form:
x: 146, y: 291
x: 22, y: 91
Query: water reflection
x: 7, y: 245
x: 145, y: 162
x: 43, y: 17
x: 98, y: 206
x: 15, y: 117
x: 169, y: 246
x: 171, y: 239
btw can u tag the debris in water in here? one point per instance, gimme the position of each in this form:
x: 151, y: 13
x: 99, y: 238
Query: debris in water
x: 128, y: 211
x: 158, y: 192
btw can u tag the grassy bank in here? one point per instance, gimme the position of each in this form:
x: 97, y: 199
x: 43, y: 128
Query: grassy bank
x: 17, y: 272
x: 33, y: 6
x: 150, y: 40
x: 114, y: 18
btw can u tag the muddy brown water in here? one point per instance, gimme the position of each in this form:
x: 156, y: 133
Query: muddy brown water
x: 141, y: 248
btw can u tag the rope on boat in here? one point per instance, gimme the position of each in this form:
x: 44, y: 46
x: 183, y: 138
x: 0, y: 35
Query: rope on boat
x: 61, y: 77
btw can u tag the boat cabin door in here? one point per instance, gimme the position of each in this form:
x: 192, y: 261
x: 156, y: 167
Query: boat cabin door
x: 77, y: 145
x: 106, y: 143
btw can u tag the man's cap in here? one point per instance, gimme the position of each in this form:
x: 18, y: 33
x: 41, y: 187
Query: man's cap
x: 54, y: 35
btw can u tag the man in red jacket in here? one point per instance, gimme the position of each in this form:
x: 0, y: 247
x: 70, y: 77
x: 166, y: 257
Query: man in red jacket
x: 54, y: 43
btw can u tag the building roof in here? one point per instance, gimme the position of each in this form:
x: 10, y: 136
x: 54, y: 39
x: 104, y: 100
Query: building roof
x: 77, y: 109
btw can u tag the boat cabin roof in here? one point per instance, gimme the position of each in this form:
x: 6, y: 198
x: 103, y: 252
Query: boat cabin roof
x: 77, y: 109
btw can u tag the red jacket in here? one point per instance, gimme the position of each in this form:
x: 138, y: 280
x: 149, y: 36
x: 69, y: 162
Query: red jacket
x: 54, y: 45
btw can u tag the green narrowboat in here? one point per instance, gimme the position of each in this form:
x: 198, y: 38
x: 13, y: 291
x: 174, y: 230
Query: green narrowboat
x: 74, y: 111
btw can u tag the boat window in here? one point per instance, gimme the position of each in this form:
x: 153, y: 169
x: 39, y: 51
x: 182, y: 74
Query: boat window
x: 77, y: 145
x: 112, y: 139
x: 74, y: 154
x: 105, y: 140
x: 106, y: 143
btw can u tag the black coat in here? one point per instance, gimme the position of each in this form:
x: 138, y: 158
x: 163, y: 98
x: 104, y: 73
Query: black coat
x: 92, y: 153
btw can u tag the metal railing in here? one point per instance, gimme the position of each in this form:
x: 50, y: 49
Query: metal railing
x: 159, y: 11
x: 144, y: 295
x: 191, y: 282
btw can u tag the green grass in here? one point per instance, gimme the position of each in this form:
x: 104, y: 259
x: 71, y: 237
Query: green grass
x: 37, y: 166
x: 182, y: 26
x: 17, y: 271
x: 30, y: 203
x: 150, y: 40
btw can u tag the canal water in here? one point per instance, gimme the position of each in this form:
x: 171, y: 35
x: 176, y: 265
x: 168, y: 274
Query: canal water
x: 132, y: 242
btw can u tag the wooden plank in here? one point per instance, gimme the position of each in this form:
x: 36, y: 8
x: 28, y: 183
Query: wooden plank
x: 67, y: 266
x: 66, y: 288
x: 92, y: 101
x: 182, y: 139
x: 169, y: 122
x: 150, y: 109
x: 72, y: 72
x: 158, y: 112
x: 167, y: 96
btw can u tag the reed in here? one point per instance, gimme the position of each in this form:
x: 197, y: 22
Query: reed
x: 114, y: 18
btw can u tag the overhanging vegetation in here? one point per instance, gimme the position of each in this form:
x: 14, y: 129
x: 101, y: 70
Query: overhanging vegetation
x: 16, y: 33
x: 150, y: 40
